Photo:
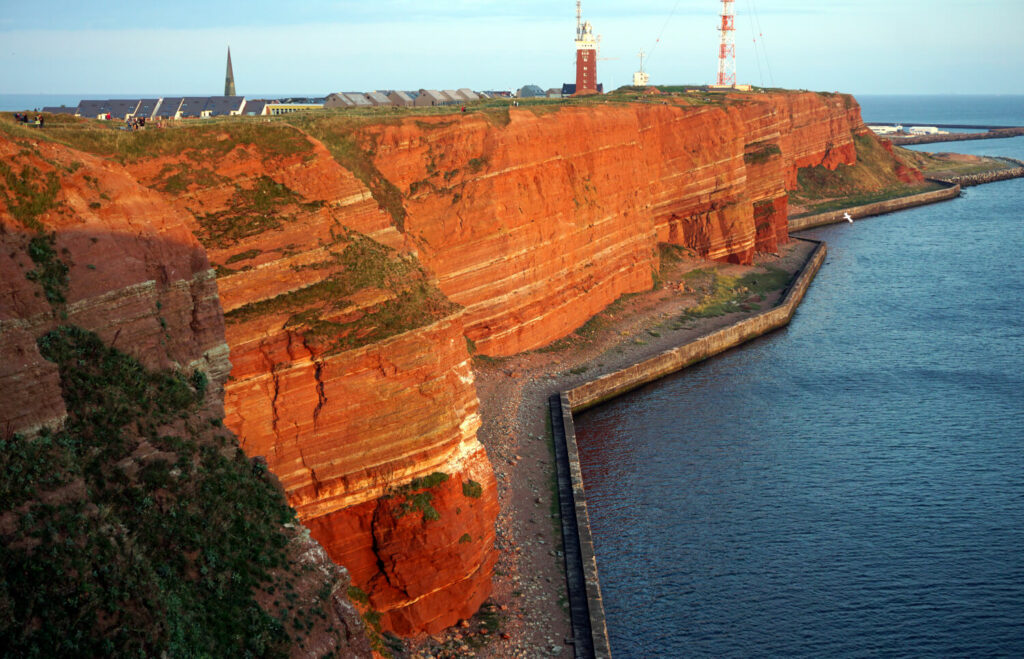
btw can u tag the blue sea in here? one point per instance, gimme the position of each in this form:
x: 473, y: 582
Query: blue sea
x: 1004, y: 110
x: 852, y: 485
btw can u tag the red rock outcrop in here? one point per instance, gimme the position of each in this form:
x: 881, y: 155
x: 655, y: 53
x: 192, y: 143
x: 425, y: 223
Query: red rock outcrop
x: 346, y: 401
x: 536, y: 225
x: 135, y: 275
x: 83, y: 243
x: 351, y: 369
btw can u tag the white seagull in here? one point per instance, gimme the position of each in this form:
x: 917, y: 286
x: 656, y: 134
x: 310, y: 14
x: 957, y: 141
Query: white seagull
x: 846, y: 216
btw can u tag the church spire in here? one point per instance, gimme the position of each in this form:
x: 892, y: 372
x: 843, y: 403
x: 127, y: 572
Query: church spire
x: 229, y: 80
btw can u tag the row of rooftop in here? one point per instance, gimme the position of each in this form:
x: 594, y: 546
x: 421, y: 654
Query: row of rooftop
x: 202, y: 107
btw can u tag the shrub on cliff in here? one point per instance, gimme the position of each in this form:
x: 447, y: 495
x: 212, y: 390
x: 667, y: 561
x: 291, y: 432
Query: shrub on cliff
x: 138, y: 529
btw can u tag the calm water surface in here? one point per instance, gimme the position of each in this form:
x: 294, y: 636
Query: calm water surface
x: 850, y: 486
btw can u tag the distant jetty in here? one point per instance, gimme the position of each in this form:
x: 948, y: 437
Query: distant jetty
x: 984, y: 133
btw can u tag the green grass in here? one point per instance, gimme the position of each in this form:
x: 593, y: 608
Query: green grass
x: 760, y: 152
x: 871, y: 180
x: 119, y: 555
x: 320, y: 311
x: 252, y: 211
x: 199, y: 142
x: 28, y: 194
x: 472, y: 489
x: 417, y: 497
x: 725, y: 294
x: 340, y: 134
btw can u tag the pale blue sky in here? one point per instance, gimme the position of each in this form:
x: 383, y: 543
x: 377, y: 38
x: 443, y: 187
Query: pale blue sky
x: 320, y: 46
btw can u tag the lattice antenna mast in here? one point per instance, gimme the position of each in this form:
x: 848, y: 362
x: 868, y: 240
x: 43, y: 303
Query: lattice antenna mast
x: 579, y: 19
x: 727, y: 51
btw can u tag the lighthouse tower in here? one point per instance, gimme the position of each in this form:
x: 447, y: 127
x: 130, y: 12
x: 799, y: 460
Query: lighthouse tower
x: 586, y: 55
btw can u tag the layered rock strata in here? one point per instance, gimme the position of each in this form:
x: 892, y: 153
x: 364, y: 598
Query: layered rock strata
x: 535, y: 225
x: 80, y: 235
x: 83, y: 244
x: 351, y: 373
x: 351, y: 326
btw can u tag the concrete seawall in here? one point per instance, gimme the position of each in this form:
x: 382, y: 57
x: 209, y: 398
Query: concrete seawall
x: 586, y: 608
x: 670, y: 361
x: 590, y: 630
x: 877, y: 208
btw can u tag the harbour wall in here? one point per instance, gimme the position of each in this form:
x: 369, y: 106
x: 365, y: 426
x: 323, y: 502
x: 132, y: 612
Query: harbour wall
x: 590, y: 629
x: 877, y: 208
x: 969, y: 180
x: 615, y: 384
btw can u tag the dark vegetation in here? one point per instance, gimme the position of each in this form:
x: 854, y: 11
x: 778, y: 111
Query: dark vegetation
x: 722, y: 294
x: 137, y: 528
x: 872, y: 179
x: 252, y: 211
x: 760, y: 152
x: 417, y: 497
x: 323, y: 314
x: 28, y: 194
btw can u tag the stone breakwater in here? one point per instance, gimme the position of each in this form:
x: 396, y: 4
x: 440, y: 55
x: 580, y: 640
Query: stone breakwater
x: 970, y: 180
x: 615, y: 384
x: 879, y: 208
x: 993, y: 134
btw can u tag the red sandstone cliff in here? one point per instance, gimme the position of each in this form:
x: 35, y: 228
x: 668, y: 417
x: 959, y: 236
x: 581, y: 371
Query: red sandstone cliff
x: 580, y: 197
x: 346, y: 324
x: 83, y: 243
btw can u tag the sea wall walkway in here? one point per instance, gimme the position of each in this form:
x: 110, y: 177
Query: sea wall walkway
x: 586, y: 605
x: 951, y: 191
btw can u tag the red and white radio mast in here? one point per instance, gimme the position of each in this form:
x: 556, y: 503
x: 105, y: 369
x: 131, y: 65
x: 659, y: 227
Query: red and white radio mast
x: 727, y: 51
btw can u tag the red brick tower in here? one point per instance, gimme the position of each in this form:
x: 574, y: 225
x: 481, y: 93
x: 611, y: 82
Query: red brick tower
x: 586, y: 55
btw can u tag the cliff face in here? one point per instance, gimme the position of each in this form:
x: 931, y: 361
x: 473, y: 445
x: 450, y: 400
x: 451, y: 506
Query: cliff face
x: 81, y: 233
x: 350, y: 369
x: 350, y: 327
x: 91, y: 260
x: 580, y: 198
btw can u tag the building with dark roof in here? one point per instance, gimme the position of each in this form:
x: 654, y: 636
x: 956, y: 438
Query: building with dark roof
x: 223, y: 106
x: 93, y: 109
x: 61, y: 110
x: 168, y: 108
x: 531, y: 91
x: 255, y: 108
x: 192, y: 107
x: 569, y: 89
x: 122, y: 108
x: 147, y: 107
